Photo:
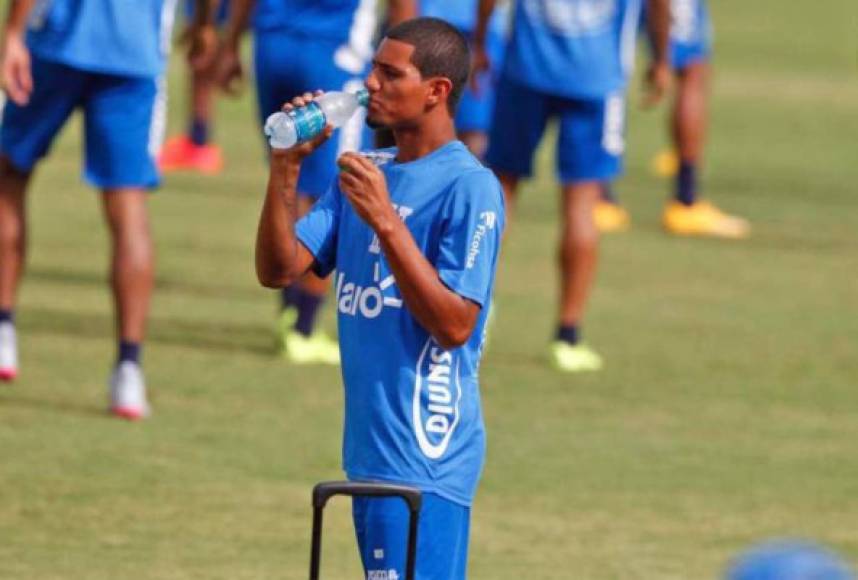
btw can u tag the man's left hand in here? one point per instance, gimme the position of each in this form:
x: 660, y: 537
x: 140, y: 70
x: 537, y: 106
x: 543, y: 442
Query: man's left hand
x: 365, y: 187
x: 656, y: 83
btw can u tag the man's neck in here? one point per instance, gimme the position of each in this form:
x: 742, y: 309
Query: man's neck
x: 421, y: 140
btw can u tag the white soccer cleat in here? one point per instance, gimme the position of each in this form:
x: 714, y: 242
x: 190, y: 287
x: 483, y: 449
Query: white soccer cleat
x: 128, y: 392
x: 8, y: 352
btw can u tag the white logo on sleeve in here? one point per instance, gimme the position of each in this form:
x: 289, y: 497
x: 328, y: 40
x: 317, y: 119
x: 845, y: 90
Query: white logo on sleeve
x: 487, y: 222
x: 437, y: 393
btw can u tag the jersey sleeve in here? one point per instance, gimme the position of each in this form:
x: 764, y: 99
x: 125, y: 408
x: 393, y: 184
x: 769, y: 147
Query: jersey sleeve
x: 318, y: 230
x: 473, y: 222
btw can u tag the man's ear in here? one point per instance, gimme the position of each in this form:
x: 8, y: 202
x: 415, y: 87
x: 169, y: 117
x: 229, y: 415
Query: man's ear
x: 439, y: 90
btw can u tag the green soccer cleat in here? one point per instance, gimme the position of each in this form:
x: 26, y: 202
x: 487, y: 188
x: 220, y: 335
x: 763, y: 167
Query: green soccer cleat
x: 574, y: 358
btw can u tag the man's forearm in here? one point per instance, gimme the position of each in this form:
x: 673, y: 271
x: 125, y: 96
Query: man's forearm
x: 238, y: 20
x: 658, y: 25
x: 448, y: 317
x: 16, y: 20
x: 277, y: 255
x: 484, y: 13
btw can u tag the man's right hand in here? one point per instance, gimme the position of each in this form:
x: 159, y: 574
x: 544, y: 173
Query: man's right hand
x: 297, y: 153
x: 17, y: 77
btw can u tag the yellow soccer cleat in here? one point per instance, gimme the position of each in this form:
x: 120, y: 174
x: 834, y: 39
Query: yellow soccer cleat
x: 574, y: 358
x: 611, y: 217
x: 318, y: 348
x: 665, y: 164
x: 703, y: 219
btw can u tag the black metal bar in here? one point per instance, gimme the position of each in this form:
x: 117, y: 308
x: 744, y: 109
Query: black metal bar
x: 316, y: 546
x: 322, y: 492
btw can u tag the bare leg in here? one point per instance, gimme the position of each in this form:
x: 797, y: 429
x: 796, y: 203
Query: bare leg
x: 132, y: 260
x: 689, y: 112
x: 579, y: 245
x: 202, y: 100
x: 13, y: 231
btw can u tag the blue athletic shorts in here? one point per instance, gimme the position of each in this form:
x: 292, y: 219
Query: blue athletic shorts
x: 476, y: 108
x: 220, y: 17
x: 381, y: 526
x: 287, y: 67
x: 590, y: 143
x: 121, y: 130
x: 685, y: 54
x: 690, y: 33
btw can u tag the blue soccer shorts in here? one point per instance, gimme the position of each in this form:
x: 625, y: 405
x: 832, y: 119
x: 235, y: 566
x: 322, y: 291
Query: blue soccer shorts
x: 381, y: 526
x: 591, y: 133
x: 690, y: 33
x: 286, y: 67
x: 122, y: 123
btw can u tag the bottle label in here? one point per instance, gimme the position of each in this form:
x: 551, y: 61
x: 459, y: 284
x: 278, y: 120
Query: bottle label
x: 309, y: 121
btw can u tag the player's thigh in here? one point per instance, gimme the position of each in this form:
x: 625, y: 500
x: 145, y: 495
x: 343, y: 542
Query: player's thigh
x: 28, y: 131
x: 591, y: 139
x: 381, y: 526
x: 123, y: 120
x: 518, y: 122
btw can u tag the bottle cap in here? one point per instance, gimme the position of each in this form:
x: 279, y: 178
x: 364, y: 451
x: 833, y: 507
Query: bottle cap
x: 363, y: 97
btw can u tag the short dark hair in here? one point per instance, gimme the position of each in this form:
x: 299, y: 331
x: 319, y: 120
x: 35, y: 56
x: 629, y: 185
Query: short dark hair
x: 440, y: 50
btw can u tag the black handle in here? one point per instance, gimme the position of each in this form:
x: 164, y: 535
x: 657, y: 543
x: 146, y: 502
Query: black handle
x: 324, y: 491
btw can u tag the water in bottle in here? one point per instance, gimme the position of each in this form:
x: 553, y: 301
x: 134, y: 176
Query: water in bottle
x: 300, y: 125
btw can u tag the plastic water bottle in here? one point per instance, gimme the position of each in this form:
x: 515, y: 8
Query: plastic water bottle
x: 300, y: 125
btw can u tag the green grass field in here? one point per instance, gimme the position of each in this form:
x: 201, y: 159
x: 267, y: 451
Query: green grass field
x: 728, y: 411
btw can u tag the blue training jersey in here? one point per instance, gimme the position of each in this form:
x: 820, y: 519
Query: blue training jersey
x: 122, y: 37
x: 573, y: 48
x: 412, y: 408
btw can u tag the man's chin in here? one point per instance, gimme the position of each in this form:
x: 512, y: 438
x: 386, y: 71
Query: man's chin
x: 375, y: 123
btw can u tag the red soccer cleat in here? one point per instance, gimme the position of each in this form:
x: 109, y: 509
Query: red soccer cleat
x: 179, y: 153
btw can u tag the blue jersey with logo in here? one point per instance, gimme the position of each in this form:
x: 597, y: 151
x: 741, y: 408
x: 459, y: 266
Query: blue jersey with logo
x: 573, y: 48
x: 122, y: 37
x: 412, y: 408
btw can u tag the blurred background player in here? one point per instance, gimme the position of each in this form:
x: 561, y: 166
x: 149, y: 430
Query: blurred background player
x: 104, y: 57
x: 569, y: 60
x: 789, y: 559
x: 414, y: 286
x: 300, y: 46
x: 686, y: 214
x: 193, y: 149
x: 474, y: 115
